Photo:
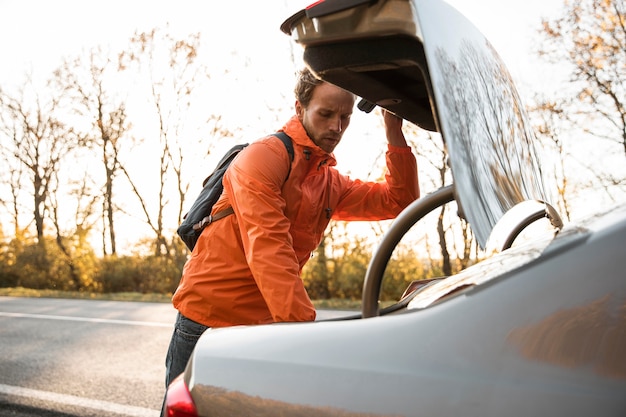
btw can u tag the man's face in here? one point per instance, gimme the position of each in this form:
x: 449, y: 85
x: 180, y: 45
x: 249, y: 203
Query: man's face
x: 327, y: 116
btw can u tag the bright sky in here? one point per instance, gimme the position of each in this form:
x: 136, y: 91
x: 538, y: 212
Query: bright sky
x: 37, y: 34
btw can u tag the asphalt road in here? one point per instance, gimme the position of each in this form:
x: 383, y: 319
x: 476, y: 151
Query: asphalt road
x: 83, y: 357
x: 61, y: 357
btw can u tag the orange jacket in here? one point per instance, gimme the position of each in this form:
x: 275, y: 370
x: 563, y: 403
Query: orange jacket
x: 245, y: 268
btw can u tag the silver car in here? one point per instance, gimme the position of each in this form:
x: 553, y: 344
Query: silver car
x: 536, y: 329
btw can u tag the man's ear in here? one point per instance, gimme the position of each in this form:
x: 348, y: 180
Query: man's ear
x: 299, y: 110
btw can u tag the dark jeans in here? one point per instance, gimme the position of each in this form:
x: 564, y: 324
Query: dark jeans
x: 186, y: 334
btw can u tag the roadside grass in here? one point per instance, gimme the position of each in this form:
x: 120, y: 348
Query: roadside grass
x: 333, y: 304
x: 121, y: 296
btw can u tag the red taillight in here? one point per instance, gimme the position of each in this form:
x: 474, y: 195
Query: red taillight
x: 178, y: 401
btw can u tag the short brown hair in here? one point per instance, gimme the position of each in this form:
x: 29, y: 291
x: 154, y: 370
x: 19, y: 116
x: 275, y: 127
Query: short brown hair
x: 305, y: 85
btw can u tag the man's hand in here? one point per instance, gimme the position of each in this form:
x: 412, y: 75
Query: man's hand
x: 393, y: 129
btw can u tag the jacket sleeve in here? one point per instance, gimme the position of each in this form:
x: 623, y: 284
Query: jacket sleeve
x: 254, y: 182
x: 381, y: 200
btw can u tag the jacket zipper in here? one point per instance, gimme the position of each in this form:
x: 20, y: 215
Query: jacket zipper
x: 328, y: 210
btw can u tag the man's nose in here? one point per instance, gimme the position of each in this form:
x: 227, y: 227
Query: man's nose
x: 335, y: 125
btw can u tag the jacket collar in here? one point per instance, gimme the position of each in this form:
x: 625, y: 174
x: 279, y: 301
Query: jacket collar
x: 296, y: 131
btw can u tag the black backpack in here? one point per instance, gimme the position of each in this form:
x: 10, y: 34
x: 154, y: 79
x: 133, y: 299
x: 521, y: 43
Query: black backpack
x: 199, y: 216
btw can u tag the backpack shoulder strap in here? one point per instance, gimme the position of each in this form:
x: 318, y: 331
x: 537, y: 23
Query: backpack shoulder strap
x: 289, y: 146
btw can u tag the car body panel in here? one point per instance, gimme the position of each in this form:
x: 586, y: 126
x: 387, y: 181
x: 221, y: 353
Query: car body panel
x: 544, y: 339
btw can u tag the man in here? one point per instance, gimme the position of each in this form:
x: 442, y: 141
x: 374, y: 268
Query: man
x: 245, y: 268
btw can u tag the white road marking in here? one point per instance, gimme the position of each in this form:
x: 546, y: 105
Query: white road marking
x: 87, y: 319
x: 72, y: 400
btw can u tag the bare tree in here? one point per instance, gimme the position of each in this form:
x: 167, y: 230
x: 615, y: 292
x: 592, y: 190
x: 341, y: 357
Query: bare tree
x: 591, y: 37
x: 75, y: 237
x: 174, y: 79
x: 39, y: 142
x: 589, y: 41
x: 12, y: 175
x: 454, y: 236
x: 87, y: 83
x: 550, y: 129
